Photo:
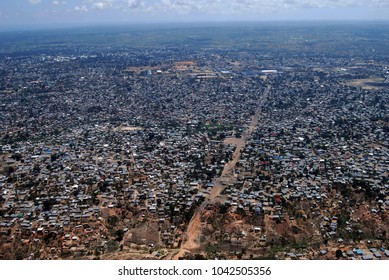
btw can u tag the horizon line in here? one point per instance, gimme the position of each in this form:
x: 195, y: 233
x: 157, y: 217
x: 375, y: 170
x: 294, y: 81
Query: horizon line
x: 62, y: 26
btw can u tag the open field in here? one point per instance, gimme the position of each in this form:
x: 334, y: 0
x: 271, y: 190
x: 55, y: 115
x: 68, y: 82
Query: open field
x: 371, y: 83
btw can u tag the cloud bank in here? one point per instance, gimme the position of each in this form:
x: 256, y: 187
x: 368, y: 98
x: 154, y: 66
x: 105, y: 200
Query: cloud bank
x: 228, y: 6
x: 100, y: 11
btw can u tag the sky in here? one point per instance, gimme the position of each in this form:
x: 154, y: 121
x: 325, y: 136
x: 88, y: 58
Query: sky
x: 52, y: 13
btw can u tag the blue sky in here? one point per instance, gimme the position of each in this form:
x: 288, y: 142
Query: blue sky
x: 34, y: 13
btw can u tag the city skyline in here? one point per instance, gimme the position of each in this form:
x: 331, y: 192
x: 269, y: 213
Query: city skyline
x: 28, y: 14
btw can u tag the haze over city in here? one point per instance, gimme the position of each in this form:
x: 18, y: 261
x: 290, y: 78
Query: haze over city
x: 27, y: 14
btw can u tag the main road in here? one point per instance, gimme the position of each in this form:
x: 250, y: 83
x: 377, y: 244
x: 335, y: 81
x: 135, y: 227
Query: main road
x: 191, y: 242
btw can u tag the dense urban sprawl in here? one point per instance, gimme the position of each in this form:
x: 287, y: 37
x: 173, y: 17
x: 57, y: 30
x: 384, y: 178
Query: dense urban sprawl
x: 193, y: 153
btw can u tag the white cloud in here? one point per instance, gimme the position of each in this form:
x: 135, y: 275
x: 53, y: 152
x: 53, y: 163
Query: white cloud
x: 57, y: 3
x: 136, y: 4
x: 166, y: 2
x: 35, y: 2
x: 81, y: 9
x: 102, y: 5
x: 380, y: 3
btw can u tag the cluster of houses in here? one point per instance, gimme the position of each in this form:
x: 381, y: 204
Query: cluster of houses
x: 83, y: 140
x: 81, y: 146
x: 319, y: 144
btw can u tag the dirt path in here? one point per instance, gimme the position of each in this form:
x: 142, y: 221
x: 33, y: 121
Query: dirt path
x: 191, y: 240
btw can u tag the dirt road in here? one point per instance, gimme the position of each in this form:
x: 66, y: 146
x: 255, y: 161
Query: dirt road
x: 191, y: 240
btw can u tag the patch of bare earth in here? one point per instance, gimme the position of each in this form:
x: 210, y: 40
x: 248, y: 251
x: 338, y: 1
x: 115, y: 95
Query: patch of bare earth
x: 366, y: 83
